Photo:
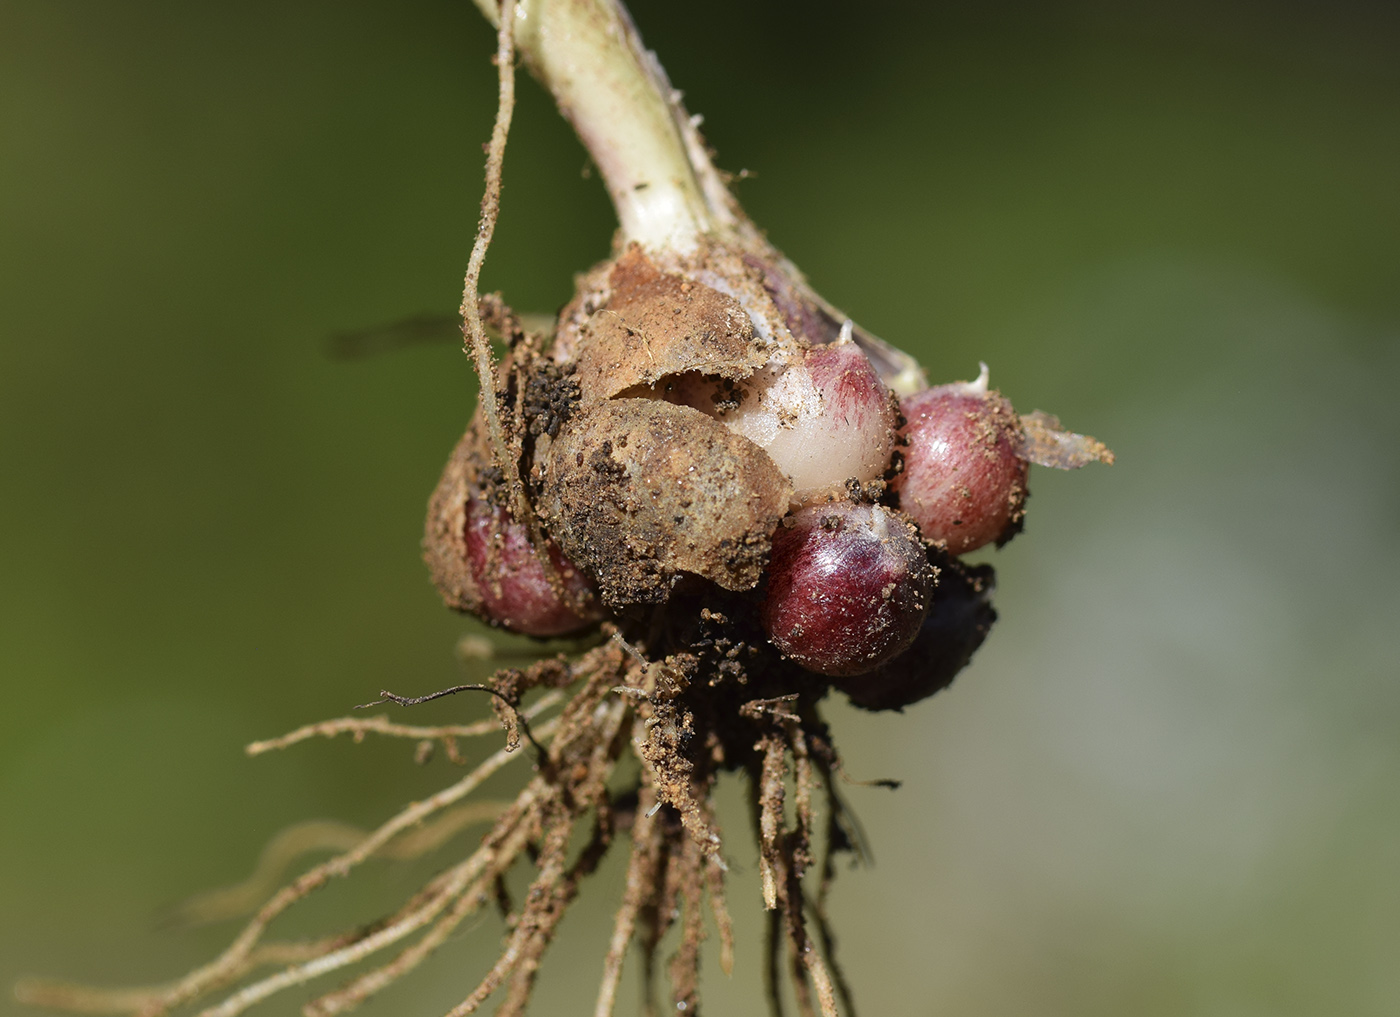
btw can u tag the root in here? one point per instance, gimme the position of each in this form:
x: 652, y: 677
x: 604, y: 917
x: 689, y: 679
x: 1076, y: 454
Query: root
x: 321, y: 835
x: 358, y: 727
x: 772, y: 952
x: 82, y: 999
x: 714, y: 883
x: 771, y: 799
x: 842, y: 835
x: 472, y: 326
x: 557, y: 884
x: 660, y: 911
x: 685, y: 963
x: 221, y: 970
x: 414, y: 917
x: 501, y: 850
x: 786, y: 854
x: 640, y: 886
x: 666, y: 726
x: 621, y: 703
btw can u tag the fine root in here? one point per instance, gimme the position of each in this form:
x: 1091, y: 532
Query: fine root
x: 640, y: 886
x: 358, y: 727
x: 472, y: 327
x: 321, y: 835
x: 621, y: 704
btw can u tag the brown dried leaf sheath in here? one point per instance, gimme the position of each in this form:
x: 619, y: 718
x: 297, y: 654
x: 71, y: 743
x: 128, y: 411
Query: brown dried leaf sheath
x: 636, y: 491
x: 656, y: 324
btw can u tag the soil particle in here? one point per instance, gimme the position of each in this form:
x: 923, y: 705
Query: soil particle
x: 551, y: 393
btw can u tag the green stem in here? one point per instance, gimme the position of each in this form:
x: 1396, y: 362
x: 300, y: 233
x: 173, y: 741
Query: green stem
x: 588, y: 55
x: 666, y: 191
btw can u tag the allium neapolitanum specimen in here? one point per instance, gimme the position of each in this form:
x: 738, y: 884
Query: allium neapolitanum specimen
x: 745, y: 500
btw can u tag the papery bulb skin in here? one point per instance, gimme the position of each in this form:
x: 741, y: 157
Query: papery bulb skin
x: 959, y: 618
x: 642, y: 324
x: 964, y: 481
x: 848, y: 587
x: 825, y: 419
x: 515, y: 592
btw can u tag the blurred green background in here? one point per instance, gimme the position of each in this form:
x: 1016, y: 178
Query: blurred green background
x: 1170, y: 784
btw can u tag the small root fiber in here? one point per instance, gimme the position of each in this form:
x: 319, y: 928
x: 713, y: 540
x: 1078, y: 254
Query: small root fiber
x: 621, y: 704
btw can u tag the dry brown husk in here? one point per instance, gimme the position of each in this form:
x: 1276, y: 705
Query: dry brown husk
x: 638, y: 490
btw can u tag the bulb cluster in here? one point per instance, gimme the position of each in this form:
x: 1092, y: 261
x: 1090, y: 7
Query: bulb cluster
x: 703, y: 424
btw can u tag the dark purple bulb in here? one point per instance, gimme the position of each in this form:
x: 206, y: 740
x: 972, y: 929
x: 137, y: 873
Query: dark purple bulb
x: 958, y: 621
x: 964, y: 481
x: 848, y: 587
x: 514, y: 591
x: 481, y: 559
